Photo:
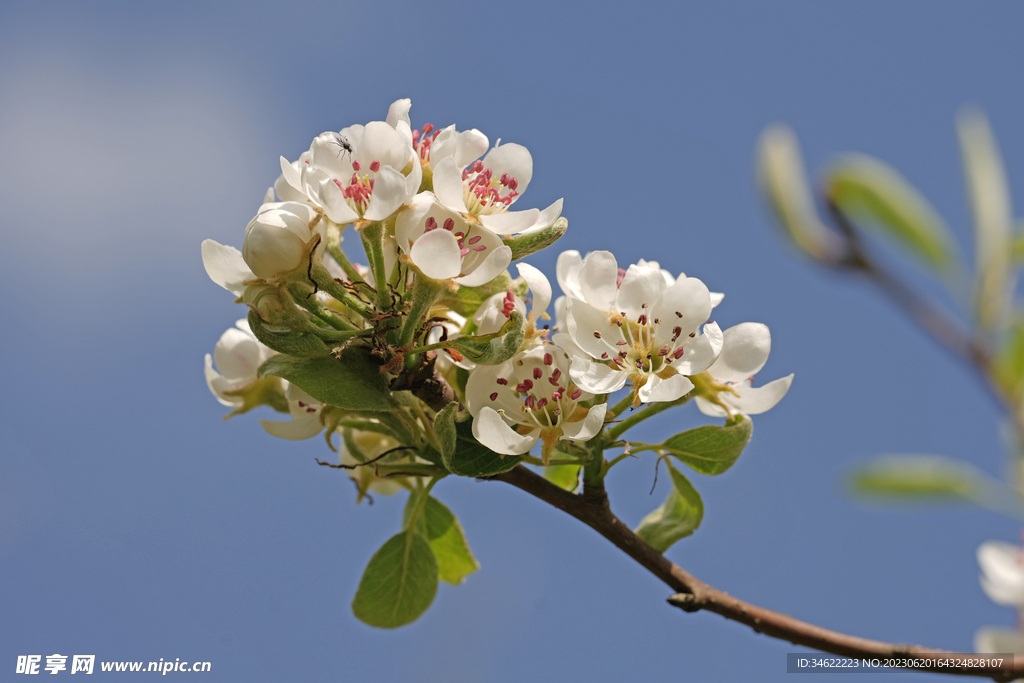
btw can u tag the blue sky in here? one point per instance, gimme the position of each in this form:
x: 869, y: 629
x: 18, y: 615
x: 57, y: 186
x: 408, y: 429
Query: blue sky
x: 136, y: 524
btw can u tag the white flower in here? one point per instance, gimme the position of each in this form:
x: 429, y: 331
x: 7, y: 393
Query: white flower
x: 992, y: 639
x: 277, y: 237
x: 1002, y: 579
x: 444, y: 246
x: 306, y: 420
x: 494, y: 312
x: 746, y: 349
x: 359, y: 172
x: 462, y: 146
x: 486, y: 189
x: 640, y: 326
x: 530, y: 398
x: 226, y: 267
x: 238, y: 355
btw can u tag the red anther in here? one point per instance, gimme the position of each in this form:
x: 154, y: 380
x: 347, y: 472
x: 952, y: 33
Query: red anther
x: 428, y: 128
x: 537, y: 373
x: 597, y: 335
x: 530, y: 402
x: 623, y: 354
x: 679, y: 352
x: 416, y: 135
x: 463, y: 252
x: 642, y: 320
x: 513, y: 184
x: 548, y: 360
x: 480, y: 247
x: 556, y: 395
x: 374, y: 165
x: 604, y: 356
x: 302, y: 404
x: 356, y: 166
x: 465, y: 174
x: 310, y: 410
x: 502, y: 381
x: 621, y: 342
x: 474, y: 240
x: 556, y: 373
x: 553, y: 381
x: 663, y: 352
x: 494, y: 396
x: 340, y: 186
x: 618, y: 361
x: 541, y: 403
x: 436, y: 133
x: 639, y: 365
x: 521, y: 388
x: 449, y: 224
x: 678, y: 314
x: 528, y: 383
x: 576, y: 394
x: 371, y: 185
x: 506, y: 313
x: 676, y: 331
x: 431, y: 224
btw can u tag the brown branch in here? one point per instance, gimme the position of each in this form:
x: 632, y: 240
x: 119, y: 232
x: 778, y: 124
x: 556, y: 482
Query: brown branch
x: 692, y: 594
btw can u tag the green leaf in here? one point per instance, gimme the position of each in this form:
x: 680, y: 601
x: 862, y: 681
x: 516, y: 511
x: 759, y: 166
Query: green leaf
x: 563, y: 476
x: 710, y: 449
x: 399, y: 582
x: 351, y: 381
x: 678, y: 517
x: 1009, y: 361
x: 283, y: 340
x: 870, y: 191
x: 530, y: 243
x: 472, y: 459
x: 442, y: 530
x: 929, y: 477
x: 1018, y: 248
x: 444, y: 429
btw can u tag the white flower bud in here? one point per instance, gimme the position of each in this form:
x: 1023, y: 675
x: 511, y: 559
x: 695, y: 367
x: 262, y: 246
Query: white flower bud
x: 277, y: 237
x: 238, y: 356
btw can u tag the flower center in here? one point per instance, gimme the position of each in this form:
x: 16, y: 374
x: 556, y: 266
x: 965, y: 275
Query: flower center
x: 422, y: 140
x: 484, y: 193
x: 466, y: 242
x: 360, y: 187
x: 547, y: 397
x: 639, y: 350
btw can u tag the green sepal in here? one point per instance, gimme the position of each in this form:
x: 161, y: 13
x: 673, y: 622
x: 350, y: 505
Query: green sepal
x: 563, y: 476
x: 443, y: 532
x: 870, y: 191
x: 472, y: 459
x: 466, y: 300
x: 678, y: 517
x: 283, y: 340
x: 351, y: 380
x: 496, y: 348
x: 399, y: 582
x: 524, y: 245
x: 710, y: 449
x: 266, y: 391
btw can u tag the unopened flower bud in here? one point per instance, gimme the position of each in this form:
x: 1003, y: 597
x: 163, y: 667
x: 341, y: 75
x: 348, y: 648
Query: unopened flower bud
x: 277, y: 238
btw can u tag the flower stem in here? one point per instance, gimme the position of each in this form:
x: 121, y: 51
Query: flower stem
x: 651, y: 410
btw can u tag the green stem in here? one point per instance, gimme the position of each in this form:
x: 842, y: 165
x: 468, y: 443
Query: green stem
x: 421, y: 501
x: 621, y: 406
x: 412, y: 469
x: 322, y: 278
x: 373, y: 242
x: 316, y: 307
x: 425, y: 292
x: 334, y: 249
x: 651, y: 410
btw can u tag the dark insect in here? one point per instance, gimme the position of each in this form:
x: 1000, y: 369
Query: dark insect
x: 344, y: 145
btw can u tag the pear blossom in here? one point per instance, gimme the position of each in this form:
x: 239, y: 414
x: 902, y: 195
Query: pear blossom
x: 368, y: 183
x: 238, y: 356
x: 276, y: 239
x: 729, y: 391
x: 639, y: 327
x: 444, y: 246
x: 306, y: 422
x: 1002, y: 579
x: 527, y: 399
x: 494, y: 312
x: 485, y: 189
x: 226, y: 267
x: 462, y: 146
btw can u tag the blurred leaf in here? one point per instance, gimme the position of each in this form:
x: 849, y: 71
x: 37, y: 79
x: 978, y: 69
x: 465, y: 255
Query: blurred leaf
x: 710, y: 449
x: 1018, y: 248
x: 989, y: 197
x: 472, y: 459
x: 780, y: 173
x: 677, y: 518
x: 443, y: 532
x: 919, y: 477
x: 350, y: 381
x: 399, y: 582
x: 1009, y: 362
x: 563, y: 476
x: 871, y: 192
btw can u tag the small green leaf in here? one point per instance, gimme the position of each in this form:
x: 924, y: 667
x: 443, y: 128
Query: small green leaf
x: 399, y: 582
x: 1009, y: 361
x: 919, y: 477
x: 283, y: 340
x: 472, y: 459
x: 710, y: 449
x: 563, y: 476
x: 351, y: 381
x: 678, y: 517
x: 444, y: 429
x: 530, y: 243
x: 442, y: 530
x: 870, y: 191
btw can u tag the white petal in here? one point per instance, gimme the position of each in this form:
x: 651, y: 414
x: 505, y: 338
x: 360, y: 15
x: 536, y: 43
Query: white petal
x: 567, y: 271
x: 687, y: 304
x: 716, y: 298
x: 596, y: 378
x: 436, y: 253
x: 1003, y: 572
x: 598, y: 278
x: 640, y: 290
x: 509, y: 222
x: 583, y: 320
x: 563, y: 341
x: 746, y: 351
x: 709, y: 408
x: 495, y: 262
x: 218, y: 385
x: 588, y: 427
x: 290, y: 175
x: 512, y: 159
x: 539, y: 286
x: 410, y: 222
x: 471, y: 145
x: 226, y: 267
x: 389, y: 193
x: 490, y: 430
x: 398, y: 111
x: 702, y: 352
x: 332, y: 200
x: 991, y: 639
x: 448, y: 185
x: 757, y: 400
x: 299, y: 429
x: 546, y: 217
x: 657, y: 389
